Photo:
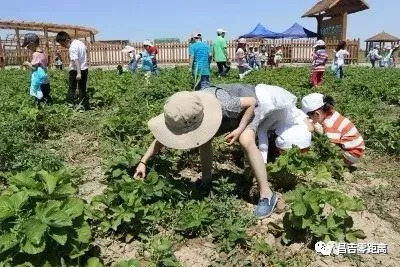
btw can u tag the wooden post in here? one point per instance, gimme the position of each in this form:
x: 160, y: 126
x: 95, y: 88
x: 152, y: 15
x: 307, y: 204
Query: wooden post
x: 319, y: 21
x: 1, y: 56
x: 344, y: 30
x: 18, y: 48
x: 46, y: 36
x: 76, y: 34
x: 92, y: 40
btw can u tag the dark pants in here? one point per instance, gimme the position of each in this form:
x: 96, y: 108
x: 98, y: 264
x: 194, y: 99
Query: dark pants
x: 73, y: 83
x: 45, y: 88
x: 223, y: 68
x: 60, y: 67
x: 204, y: 82
x: 373, y: 62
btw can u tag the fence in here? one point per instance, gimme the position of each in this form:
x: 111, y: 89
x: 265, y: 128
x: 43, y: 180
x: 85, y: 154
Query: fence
x: 106, y: 54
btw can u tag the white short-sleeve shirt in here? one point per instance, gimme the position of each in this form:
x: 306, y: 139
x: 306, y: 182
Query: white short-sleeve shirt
x: 77, y: 50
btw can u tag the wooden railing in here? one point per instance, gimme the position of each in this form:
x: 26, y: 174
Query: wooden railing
x: 105, y: 54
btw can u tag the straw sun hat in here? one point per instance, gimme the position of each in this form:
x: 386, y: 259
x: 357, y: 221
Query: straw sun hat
x: 190, y: 119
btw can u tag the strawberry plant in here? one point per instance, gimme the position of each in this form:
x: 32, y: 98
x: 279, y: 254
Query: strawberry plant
x: 41, y: 221
x: 320, y: 214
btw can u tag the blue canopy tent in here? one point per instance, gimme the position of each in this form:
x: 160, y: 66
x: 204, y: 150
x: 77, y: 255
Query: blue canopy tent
x: 261, y: 32
x: 298, y: 31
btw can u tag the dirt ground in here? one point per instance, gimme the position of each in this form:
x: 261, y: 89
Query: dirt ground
x: 376, y: 182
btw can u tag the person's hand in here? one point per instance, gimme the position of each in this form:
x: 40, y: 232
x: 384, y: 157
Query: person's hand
x: 140, y: 172
x: 78, y: 76
x: 233, y: 136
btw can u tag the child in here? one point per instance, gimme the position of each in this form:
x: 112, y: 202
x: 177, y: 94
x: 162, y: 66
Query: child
x: 340, y: 52
x: 320, y: 57
x: 152, y: 51
x: 243, y: 66
x: 58, y: 59
x: 78, y: 70
x: 278, y: 56
x: 271, y: 58
x: 251, y: 57
x: 374, y: 56
x: 257, y: 62
x: 39, y: 61
x: 131, y: 52
x: 263, y: 57
x: 321, y: 109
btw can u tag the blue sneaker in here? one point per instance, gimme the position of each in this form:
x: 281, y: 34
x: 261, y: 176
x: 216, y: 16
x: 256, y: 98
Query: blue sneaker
x: 266, y: 206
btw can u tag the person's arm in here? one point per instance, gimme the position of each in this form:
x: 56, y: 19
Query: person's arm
x: 309, y: 125
x: 210, y: 55
x: 153, y: 150
x: 248, y: 104
x: 78, y: 69
x: 191, y: 60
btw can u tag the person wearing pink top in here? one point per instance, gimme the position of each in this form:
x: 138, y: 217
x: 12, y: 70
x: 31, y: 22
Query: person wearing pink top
x: 39, y: 59
x: 243, y: 66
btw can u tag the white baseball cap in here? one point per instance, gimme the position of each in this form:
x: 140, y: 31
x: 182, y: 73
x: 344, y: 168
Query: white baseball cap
x: 319, y: 43
x: 220, y: 30
x: 312, y: 102
x: 242, y: 41
x: 147, y: 42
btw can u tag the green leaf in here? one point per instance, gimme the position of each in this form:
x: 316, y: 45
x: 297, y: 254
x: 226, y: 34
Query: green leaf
x: 24, y: 179
x: 299, y: 209
x: 73, y: 207
x: 19, y: 199
x: 331, y: 223
x: 351, y: 237
x: 65, y: 190
x: 60, y: 235
x: 94, y: 262
x: 84, y: 233
x: 8, y: 241
x: 77, y: 249
x: 49, y: 180
x: 34, y: 230
x: 33, y: 249
x: 7, y: 208
x: 50, y: 213
x: 128, y: 263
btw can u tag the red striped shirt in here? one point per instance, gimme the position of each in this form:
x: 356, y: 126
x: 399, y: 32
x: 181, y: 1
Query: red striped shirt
x: 320, y: 58
x: 341, y: 131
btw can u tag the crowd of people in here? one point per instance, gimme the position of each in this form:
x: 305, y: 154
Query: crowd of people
x: 250, y: 115
x: 387, y: 60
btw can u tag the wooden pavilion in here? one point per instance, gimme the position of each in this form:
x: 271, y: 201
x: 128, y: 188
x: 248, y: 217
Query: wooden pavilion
x: 381, y: 39
x: 331, y: 16
x: 73, y: 30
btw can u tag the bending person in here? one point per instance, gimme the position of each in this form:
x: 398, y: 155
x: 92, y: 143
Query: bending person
x: 193, y: 119
x: 279, y: 114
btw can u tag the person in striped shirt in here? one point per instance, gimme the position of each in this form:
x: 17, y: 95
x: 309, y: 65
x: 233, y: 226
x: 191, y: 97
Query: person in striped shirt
x: 340, y: 130
x: 320, y: 57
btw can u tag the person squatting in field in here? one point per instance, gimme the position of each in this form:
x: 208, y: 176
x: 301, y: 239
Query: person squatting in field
x: 340, y: 130
x: 193, y: 119
x: 40, y: 85
x: 282, y: 125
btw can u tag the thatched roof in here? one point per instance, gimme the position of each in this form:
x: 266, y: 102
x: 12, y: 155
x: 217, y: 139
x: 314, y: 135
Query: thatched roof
x: 328, y: 8
x: 383, y: 37
x: 51, y: 27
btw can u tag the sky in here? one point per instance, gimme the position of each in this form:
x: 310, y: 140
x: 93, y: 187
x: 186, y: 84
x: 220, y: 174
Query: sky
x: 138, y: 20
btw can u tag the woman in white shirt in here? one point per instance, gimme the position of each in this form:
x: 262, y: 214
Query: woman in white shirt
x: 341, y: 52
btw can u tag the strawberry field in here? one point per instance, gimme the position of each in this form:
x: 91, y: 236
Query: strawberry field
x: 67, y: 196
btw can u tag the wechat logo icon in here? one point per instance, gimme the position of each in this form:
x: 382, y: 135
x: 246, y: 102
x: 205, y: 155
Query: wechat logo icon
x: 326, y: 249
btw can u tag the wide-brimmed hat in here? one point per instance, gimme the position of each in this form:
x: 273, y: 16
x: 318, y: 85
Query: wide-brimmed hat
x: 127, y: 49
x: 319, y: 43
x: 190, y: 119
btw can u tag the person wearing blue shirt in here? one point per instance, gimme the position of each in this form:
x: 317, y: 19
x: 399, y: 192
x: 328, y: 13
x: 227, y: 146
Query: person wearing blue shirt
x: 200, y: 60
